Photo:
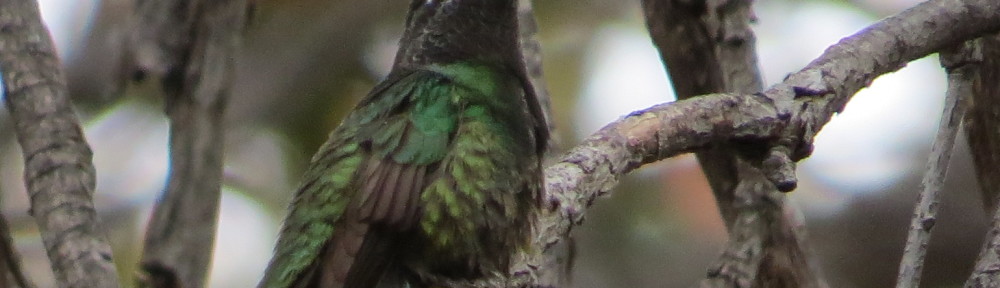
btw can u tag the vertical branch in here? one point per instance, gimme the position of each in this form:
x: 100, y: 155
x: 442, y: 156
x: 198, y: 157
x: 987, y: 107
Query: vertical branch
x: 961, y: 64
x: 58, y: 170
x: 982, y: 122
x: 11, y: 274
x: 189, y: 47
x: 708, y: 46
x: 982, y: 129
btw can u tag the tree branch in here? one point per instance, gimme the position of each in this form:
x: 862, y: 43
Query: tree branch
x: 788, y: 114
x: 829, y: 82
x: 189, y: 47
x: 58, y: 170
x: 709, y: 47
x: 11, y: 274
x: 961, y: 63
x: 982, y: 129
x: 982, y: 122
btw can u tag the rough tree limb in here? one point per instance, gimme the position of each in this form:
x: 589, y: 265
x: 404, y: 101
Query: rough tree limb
x: 982, y: 129
x: 189, y: 46
x: 709, y: 47
x: 982, y: 123
x: 58, y: 170
x: 11, y: 273
x: 961, y: 64
x: 789, y: 113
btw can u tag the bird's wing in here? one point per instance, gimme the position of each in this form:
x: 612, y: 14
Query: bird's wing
x: 365, y: 183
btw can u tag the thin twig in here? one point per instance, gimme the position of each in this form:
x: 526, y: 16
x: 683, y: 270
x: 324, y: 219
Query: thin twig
x: 58, y: 170
x: 961, y: 72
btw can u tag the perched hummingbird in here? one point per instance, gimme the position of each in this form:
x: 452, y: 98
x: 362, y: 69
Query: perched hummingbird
x: 436, y: 174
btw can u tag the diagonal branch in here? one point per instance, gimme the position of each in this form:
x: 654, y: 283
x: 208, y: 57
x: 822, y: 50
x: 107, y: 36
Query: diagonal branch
x: 58, y: 170
x: 961, y: 64
x: 788, y: 114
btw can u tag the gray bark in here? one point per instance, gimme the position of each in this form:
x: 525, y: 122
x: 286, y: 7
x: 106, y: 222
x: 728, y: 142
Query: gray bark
x: 189, y: 47
x: 982, y: 130
x: 11, y: 273
x: 961, y: 63
x: 785, y: 117
x: 709, y: 47
x: 982, y: 122
x: 58, y: 170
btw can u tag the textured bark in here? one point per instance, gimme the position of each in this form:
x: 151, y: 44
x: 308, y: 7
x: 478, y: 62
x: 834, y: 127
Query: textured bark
x: 961, y: 63
x: 11, y: 274
x: 987, y: 271
x: 982, y: 122
x: 982, y: 129
x: 58, y: 170
x: 189, y: 47
x: 828, y: 83
x: 785, y: 117
x: 708, y: 47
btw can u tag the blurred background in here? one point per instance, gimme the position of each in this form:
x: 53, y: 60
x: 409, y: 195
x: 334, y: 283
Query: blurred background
x: 306, y: 62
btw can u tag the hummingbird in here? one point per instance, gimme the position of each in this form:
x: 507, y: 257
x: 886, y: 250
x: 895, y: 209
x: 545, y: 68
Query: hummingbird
x: 435, y: 174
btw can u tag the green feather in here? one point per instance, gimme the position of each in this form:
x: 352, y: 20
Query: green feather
x: 470, y: 123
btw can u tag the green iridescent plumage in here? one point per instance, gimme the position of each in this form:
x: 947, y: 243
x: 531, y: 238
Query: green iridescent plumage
x: 436, y: 174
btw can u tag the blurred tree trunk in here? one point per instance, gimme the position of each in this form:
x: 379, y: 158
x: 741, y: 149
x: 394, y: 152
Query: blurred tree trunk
x: 11, y: 274
x: 982, y: 122
x: 709, y: 47
x: 189, y: 46
x: 982, y: 130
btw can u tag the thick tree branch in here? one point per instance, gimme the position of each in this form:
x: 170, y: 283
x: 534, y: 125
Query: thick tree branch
x: 685, y: 33
x: 11, y: 274
x: 709, y: 47
x: 982, y: 129
x: 961, y: 64
x: 982, y: 122
x: 789, y: 113
x: 829, y: 82
x: 58, y: 170
x: 189, y: 47
x: 987, y: 271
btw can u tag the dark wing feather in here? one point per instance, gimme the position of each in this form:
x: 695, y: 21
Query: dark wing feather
x: 402, y: 143
x: 321, y: 200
